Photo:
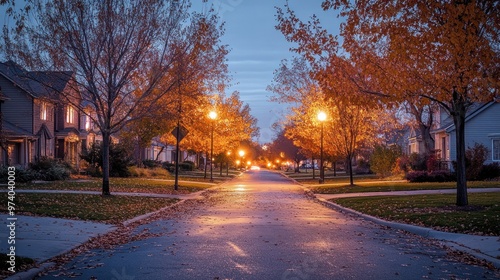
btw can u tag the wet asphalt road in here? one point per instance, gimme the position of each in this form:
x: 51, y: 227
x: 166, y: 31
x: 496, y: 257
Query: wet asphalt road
x: 262, y: 226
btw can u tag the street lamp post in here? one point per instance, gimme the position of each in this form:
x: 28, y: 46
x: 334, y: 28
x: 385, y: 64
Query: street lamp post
x: 212, y: 115
x: 241, y: 153
x: 321, y: 118
x: 227, y: 164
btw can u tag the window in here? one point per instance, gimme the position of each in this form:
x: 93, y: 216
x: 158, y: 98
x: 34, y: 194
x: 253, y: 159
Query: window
x: 70, y: 115
x: 43, y: 111
x: 496, y: 150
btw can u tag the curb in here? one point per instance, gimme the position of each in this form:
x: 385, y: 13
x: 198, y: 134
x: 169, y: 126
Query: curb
x: 421, y: 231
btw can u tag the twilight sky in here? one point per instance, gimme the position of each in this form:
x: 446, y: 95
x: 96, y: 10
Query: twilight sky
x: 257, y: 49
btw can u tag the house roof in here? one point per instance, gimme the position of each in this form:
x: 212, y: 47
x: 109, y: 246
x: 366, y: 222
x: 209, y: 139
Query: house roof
x: 38, y: 84
x: 477, y: 110
x: 13, y: 130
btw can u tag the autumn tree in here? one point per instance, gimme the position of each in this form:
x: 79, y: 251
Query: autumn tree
x: 410, y: 51
x: 199, y: 70
x: 118, y: 51
x: 352, y: 122
x: 443, y: 51
x: 233, y: 124
x: 284, y: 147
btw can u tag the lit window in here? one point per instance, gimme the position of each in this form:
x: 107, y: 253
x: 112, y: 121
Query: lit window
x: 70, y: 115
x: 496, y: 149
x: 43, y: 111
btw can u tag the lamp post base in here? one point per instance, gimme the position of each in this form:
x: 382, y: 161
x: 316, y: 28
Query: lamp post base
x: 321, y: 181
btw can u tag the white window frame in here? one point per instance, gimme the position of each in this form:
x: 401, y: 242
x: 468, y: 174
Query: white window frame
x: 495, y: 156
x: 70, y: 114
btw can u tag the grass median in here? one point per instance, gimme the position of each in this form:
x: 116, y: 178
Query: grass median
x: 108, y: 209
x: 481, y: 216
x: 387, y: 186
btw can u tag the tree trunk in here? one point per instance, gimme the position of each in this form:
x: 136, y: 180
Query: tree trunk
x: 312, y: 160
x: 105, y: 163
x: 349, y: 162
x: 206, y: 161
x: 425, y: 131
x: 459, y: 120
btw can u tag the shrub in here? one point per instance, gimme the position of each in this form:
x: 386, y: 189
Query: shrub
x: 168, y: 166
x: 489, y: 171
x: 49, y: 169
x: 432, y: 162
x: 433, y: 176
x: 474, y: 160
x: 119, y: 160
x: 147, y: 172
x: 187, y: 165
x: 22, y: 175
x: 418, y: 162
x: 383, y: 159
x: 149, y: 163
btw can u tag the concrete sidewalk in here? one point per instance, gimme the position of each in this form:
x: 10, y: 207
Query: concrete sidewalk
x: 43, y: 238
x: 482, y: 247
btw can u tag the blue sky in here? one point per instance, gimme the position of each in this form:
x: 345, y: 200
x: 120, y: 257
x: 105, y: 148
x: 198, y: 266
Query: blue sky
x: 257, y: 49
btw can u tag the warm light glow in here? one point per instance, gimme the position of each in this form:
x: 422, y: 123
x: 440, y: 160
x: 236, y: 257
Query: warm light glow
x: 321, y: 116
x: 268, y: 164
x: 241, y: 153
x: 238, y: 162
x: 229, y: 153
x: 212, y: 115
x: 249, y: 162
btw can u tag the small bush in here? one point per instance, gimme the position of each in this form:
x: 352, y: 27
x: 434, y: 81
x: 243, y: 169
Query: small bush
x: 383, y: 159
x: 187, y: 165
x: 147, y: 172
x: 433, y: 176
x: 149, y: 163
x: 489, y: 171
x: 49, y: 169
x: 22, y: 175
x: 418, y: 162
x: 168, y: 166
x: 119, y: 160
x: 474, y: 160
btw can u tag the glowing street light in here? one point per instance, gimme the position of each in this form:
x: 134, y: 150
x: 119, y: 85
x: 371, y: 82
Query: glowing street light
x: 321, y: 118
x: 212, y: 115
x: 227, y: 163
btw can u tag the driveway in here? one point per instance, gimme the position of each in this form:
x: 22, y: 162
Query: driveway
x: 262, y: 226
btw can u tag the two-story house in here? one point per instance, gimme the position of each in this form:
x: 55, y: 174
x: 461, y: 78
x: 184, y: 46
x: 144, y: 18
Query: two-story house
x: 36, y: 120
x: 482, y: 126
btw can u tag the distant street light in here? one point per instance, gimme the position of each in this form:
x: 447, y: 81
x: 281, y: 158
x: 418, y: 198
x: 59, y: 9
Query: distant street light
x: 212, y: 115
x: 321, y: 118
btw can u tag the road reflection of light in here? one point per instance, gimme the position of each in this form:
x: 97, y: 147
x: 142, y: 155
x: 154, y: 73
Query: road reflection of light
x: 240, y: 188
x: 237, y: 249
x: 243, y: 267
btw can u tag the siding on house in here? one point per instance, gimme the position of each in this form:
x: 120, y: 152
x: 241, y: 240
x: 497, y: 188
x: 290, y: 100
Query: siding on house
x: 18, y: 110
x: 480, y: 127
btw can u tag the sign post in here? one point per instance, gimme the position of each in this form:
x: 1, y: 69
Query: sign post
x: 179, y: 132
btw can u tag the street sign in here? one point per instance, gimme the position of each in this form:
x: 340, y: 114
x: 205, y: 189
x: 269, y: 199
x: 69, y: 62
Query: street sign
x: 182, y: 132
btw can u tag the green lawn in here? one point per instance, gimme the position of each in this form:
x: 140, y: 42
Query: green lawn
x: 378, y: 186
x: 121, y: 185
x: 110, y: 209
x: 482, y: 216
